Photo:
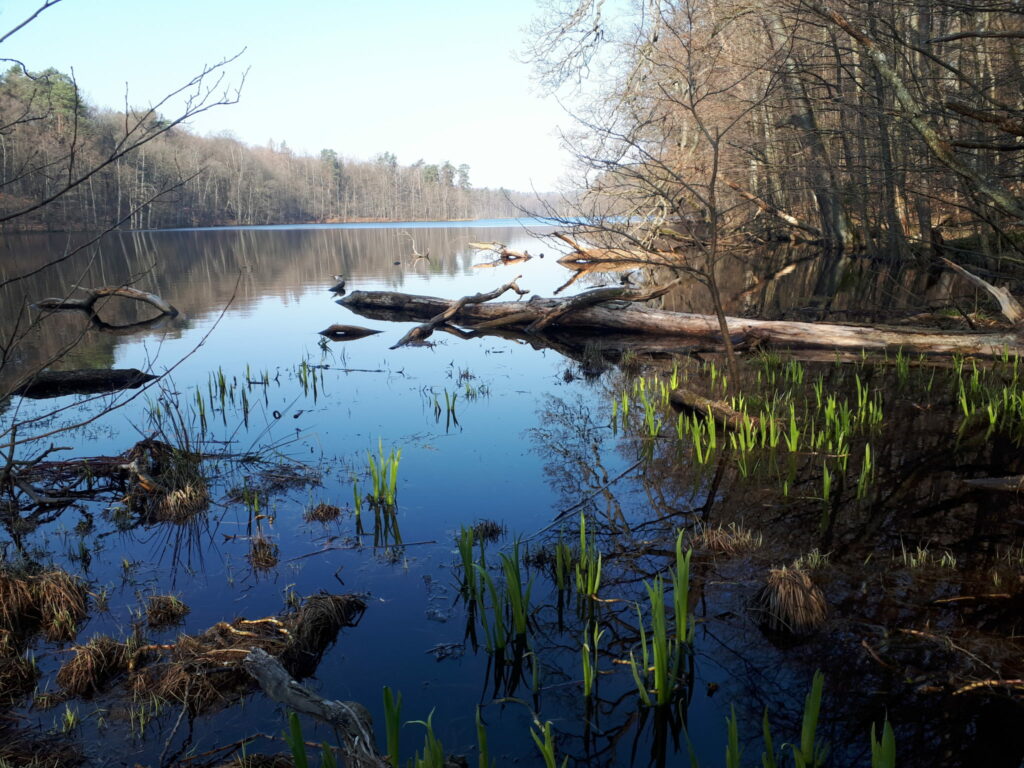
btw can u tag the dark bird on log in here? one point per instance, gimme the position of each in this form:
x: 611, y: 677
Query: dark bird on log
x: 340, y: 287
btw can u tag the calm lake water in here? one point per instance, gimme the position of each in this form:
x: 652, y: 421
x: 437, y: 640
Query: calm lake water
x: 527, y: 439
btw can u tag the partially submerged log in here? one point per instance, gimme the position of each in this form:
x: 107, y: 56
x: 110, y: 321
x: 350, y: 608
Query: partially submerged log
x: 505, y: 255
x: 723, y: 413
x: 95, y: 294
x: 338, y: 332
x: 627, y: 318
x: 87, y: 381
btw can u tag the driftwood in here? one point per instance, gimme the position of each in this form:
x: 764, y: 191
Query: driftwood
x: 626, y: 318
x: 449, y: 311
x: 349, y: 718
x: 339, y: 332
x: 582, y: 255
x: 95, y: 294
x: 82, y: 382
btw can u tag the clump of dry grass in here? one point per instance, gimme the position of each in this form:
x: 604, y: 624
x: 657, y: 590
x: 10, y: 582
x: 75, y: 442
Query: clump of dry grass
x: 263, y: 553
x: 93, y: 666
x: 28, y: 748
x: 322, y: 513
x: 182, y: 504
x: 488, y: 530
x: 728, y: 540
x: 790, y: 603
x: 53, y: 600
x: 62, y: 601
x: 18, y: 676
x: 165, y: 611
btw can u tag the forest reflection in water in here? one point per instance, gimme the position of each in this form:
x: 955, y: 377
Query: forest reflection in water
x: 918, y: 569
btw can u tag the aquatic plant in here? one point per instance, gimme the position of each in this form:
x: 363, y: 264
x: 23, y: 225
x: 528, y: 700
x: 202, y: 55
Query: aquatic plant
x: 392, y: 724
x: 546, y: 744
x: 384, y: 475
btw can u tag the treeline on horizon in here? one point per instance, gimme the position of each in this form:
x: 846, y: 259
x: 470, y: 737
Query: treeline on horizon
x: 50, y: 138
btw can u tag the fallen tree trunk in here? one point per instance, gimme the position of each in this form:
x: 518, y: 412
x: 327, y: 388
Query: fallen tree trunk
x: 625, y: 318
x: 92, y: 295
x: 88, y: 381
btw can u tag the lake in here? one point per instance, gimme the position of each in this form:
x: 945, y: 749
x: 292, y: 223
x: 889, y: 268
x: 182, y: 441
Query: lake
x: 526, y: 434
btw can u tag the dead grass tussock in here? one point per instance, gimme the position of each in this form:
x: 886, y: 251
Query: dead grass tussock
x: 727, y: 540
x: 322, y: 513
x: 53, y: 600
x: 165, y: 611
x: 24, y: 748
x: 488, y: 530
x: 183, y: 503
x: 790, y: 603
x: 18, y: 675
x: 93, y: 666
x: 263, y: 553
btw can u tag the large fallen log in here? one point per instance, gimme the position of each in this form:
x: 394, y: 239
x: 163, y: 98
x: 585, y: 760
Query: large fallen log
x: 627, y: 318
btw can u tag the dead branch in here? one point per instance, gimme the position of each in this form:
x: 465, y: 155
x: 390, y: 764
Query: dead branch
x: 94, y: 294
x: 423, y: 331
x: 349, y: 718
x: 1008, y: 305
x: 594, y: 297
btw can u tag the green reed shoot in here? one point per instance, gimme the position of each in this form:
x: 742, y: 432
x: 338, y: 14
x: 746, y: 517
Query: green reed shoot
x: 865, y: 473
x: 433, y: 750
x: 681, y: 593
x: 883, y: 751
x: 517, y: 599
x: 732, y: 744
x: 640, y: 671
x: 392, y: 724
x: 811, y: 753
x: 384, y: 474
x: 496, y: 635
x: 590, y: 658
x: 546, y: 744
x: 465, y: 545
x: 483, y: 752
x: 563, y: 564
x: 659, y: 641
x: 588, y: 567
x: 357, y: 500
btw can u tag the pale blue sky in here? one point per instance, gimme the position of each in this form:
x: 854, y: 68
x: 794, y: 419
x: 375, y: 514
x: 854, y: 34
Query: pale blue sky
x: 434, y: 80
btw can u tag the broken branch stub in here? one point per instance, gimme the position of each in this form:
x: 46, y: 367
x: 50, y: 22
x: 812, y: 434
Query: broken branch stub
x: 423, y: 331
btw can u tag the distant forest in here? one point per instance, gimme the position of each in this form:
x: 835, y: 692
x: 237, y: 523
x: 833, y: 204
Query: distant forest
x: 142, y: 171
